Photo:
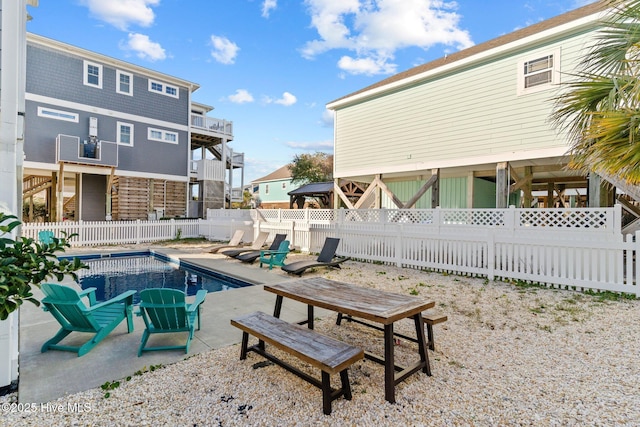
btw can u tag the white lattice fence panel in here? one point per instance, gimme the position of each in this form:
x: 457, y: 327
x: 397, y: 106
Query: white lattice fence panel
x: 592, y: 218
x: 322, y: 215
x: 477, y: 217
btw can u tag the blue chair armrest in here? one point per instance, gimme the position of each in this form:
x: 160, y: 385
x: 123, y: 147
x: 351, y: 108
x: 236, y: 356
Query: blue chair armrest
x: 125, y: 295
x: 200, y: 296
x: 89, y: 293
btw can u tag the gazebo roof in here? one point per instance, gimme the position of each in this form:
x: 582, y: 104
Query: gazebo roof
x: 311, y: 189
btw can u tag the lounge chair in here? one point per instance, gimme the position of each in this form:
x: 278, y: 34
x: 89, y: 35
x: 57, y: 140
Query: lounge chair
x: 257, y: 244
x: 275, y: 258
x: 250, y: 257
x: 327, y: 258
x: 236, y: 241
x: 99, y: 319
x: 165, y: 310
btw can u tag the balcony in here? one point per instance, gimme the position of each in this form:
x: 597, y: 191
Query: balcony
x: 208, y: 170
x: 70, y: 149
x: 211, y: 126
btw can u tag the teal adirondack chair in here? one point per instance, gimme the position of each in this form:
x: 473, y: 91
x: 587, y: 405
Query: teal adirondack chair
x: 67, y: 306
x: 277, y: 258
x: 45, y: 237
x: 166, y: 311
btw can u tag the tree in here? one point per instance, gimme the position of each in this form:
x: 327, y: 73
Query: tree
x: 25, y: 263
x: 600, y: 108
x: 307, y: 168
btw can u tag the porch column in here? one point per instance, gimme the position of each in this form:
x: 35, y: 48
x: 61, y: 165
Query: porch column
x: 528, y: 198
x: 502, y: 185
x: 600, y: 193
x: 224, y: 181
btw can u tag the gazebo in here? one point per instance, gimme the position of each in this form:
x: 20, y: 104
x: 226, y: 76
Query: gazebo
x: 323, y: 193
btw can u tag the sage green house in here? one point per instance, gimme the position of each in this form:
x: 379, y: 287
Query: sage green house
x: 470, y: 129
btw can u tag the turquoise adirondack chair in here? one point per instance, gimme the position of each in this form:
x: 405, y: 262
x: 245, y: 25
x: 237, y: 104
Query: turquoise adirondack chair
x: 67, y: 306
x: 45, y: 237
x: 277, y: 258
x: 166, y: 311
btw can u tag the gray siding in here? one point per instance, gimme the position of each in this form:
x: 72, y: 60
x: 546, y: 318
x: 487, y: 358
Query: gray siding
x: 58, y: 75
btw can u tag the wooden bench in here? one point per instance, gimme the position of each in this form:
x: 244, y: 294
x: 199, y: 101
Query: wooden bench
x: 329, y: 355
x: 429, y: 319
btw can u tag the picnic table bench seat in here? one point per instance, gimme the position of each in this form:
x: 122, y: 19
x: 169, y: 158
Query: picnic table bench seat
x: 329, y: 355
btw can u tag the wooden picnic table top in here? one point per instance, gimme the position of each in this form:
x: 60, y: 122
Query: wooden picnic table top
x: 366, y: 303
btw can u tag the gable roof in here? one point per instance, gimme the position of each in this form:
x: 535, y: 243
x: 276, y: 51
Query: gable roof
x: 283, y: 173
x: 502, y: 41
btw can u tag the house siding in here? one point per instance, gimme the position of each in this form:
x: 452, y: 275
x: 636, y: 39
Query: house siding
x: 57, y: 77
x: 454, y: 119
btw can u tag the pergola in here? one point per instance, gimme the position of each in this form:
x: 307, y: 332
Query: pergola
x: 323, y: 193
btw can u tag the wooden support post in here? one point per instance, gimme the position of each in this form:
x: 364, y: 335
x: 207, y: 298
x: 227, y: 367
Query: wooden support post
x: 108, y: 194
x: 550, y: 199
x: 526, y: 189
x: 502, y: 185
x: 60, y: 194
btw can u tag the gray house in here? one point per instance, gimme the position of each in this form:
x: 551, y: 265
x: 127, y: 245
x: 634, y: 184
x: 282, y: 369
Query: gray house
x: 106, y: 139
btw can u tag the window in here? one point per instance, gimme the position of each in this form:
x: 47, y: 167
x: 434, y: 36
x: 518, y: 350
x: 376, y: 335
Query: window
x: 539, y: 73
x: 284, y: 185
x: 50, y: 113
x: 266, y: 189
x: 163, y: 136
x: 92, y: 74
x: 163, y: 88
x: 124, y: 84
x: 125, y: 133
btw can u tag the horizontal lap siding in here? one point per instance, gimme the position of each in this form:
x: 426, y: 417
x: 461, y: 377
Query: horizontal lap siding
x: 475, y: 112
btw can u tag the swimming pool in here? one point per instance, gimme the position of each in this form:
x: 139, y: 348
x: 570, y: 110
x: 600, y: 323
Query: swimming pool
x: 112, y: 274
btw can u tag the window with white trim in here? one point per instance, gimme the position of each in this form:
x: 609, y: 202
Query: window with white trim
x: 51, y: 113
x: 163, y: 136
x: 163, y: 88
x: 539, y: 72
x: 93, y: 74
x: 124, y: 83
x: 124, y: 133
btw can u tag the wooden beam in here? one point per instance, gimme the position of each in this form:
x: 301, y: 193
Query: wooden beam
x: 389, y: 193
x: 337, y: 190
x: 435, y: 174
x: 372, y: 187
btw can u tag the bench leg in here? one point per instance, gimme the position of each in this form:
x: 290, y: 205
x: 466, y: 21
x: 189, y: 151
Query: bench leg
x: 432, y: 344
x: 346, y: 387
x: 326, y: 393
x: 245, y: 342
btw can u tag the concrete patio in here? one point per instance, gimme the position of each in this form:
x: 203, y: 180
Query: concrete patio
x: 54, y: 374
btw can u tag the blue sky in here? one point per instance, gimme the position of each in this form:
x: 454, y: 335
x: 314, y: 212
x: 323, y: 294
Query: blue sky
x: 271, y: 66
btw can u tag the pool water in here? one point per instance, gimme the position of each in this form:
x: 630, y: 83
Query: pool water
x: 115, y: 274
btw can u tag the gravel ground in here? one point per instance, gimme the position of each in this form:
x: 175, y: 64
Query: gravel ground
x: 509, y: 355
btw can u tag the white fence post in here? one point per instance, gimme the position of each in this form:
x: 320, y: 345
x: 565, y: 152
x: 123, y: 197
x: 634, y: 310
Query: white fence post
x: 491, y: 254
x: 138, y: 232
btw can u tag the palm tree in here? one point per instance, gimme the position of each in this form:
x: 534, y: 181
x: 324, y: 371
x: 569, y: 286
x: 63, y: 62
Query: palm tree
x: 600, y: 106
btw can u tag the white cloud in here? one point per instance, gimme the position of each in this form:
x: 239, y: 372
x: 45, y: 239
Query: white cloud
x: 268, y: 6
x: 328, y: 117
x: 375, y: 29
x: 287, y: 99
x: 367, y: 66
x: 144, y: 48
x: 122, y: 13
x: 242, y: 96
x: 224, y: 50
x: 324, y: 146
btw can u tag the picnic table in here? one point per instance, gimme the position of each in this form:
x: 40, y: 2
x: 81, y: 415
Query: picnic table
x: 373, y: 305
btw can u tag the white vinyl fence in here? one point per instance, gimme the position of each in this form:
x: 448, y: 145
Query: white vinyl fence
x: 576, y: 248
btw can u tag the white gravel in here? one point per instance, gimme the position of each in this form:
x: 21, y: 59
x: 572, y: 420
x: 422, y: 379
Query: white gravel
x: 508, y: 356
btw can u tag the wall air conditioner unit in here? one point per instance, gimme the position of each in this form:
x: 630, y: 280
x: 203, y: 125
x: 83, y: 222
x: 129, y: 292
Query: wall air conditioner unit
x: 93, y: 127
